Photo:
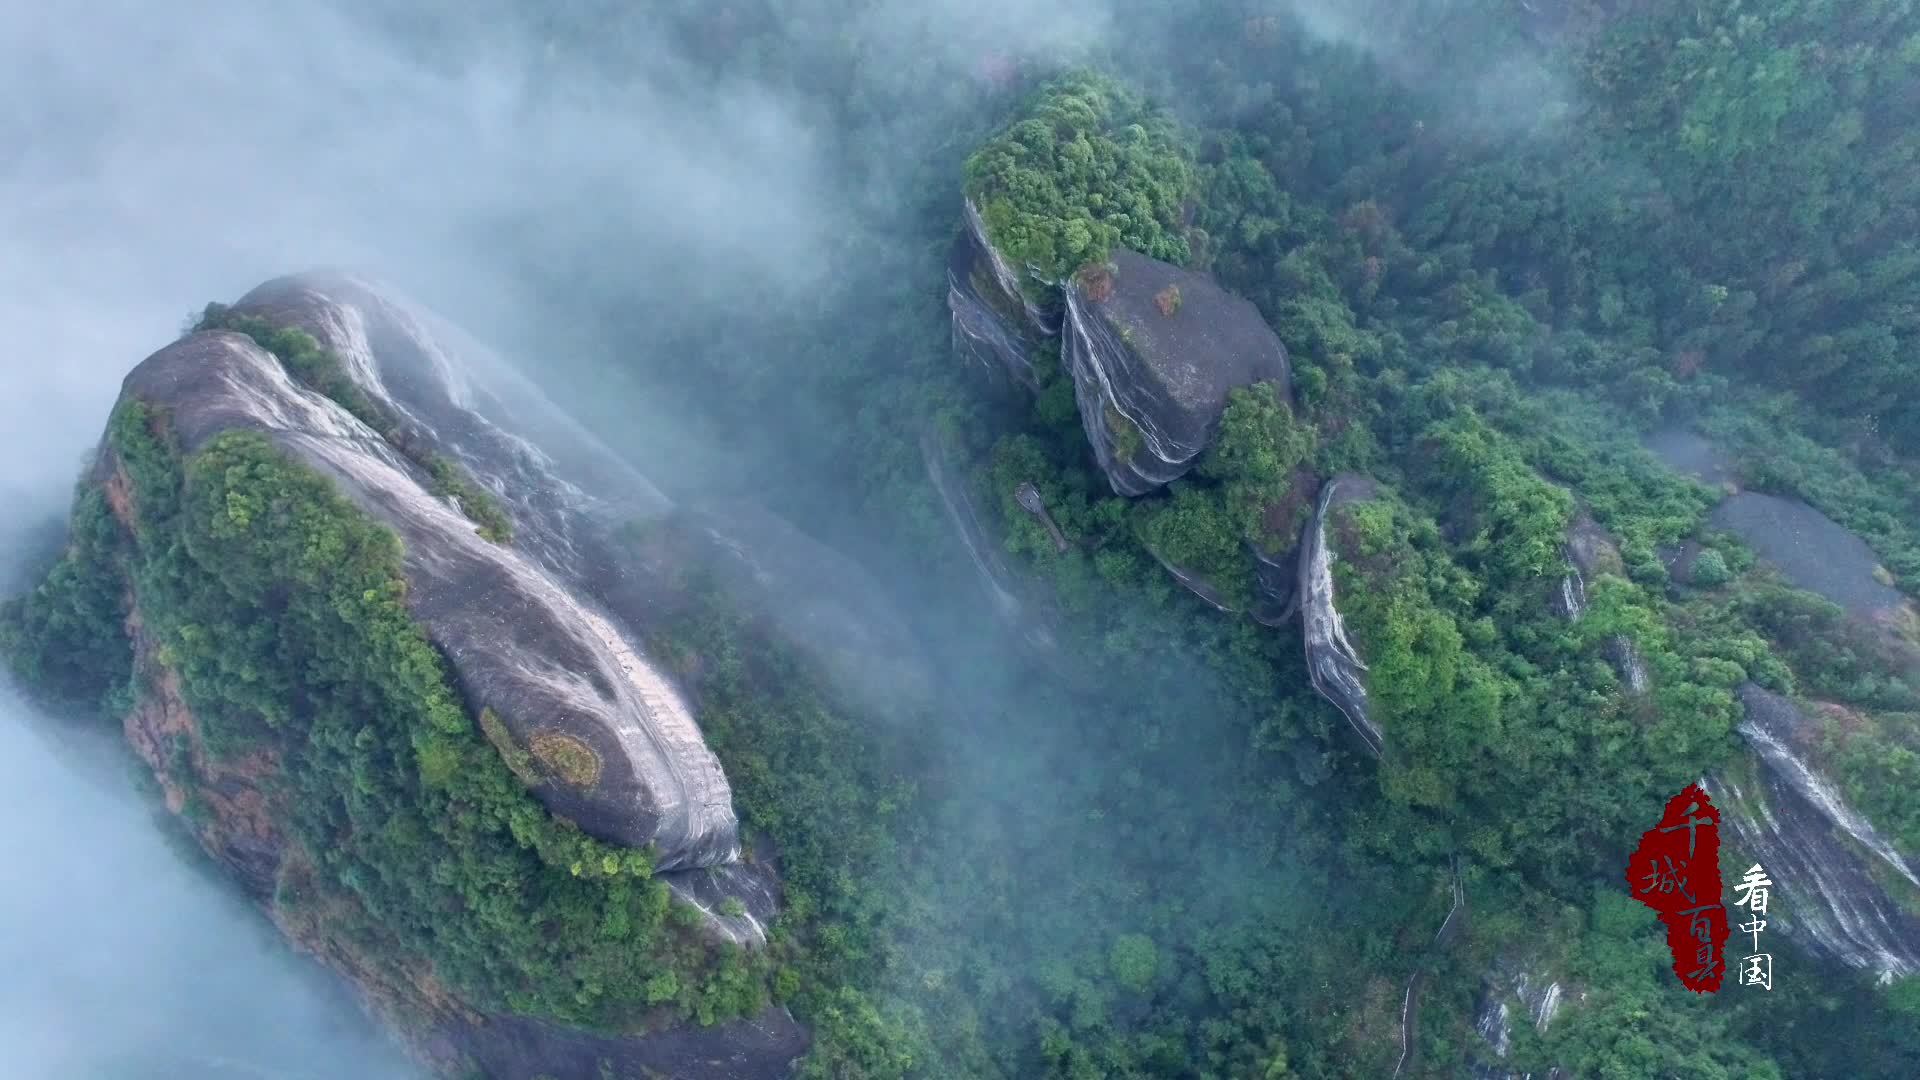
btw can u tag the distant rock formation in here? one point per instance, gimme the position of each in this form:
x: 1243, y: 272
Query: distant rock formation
x: 1809, y: 549
x: 1333, y: 665
x: 1154, y: 351
x: 1817, y: 848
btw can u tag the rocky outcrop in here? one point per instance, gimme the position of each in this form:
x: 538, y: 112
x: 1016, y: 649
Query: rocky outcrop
x: 1276, y: 586
x: 1333, y: 665
x: 994, y: 322
x: 1194, y: 583
x: 516, y: 623
x: 1819, y: 851
x: 1154, y: 351
x: 1539, y: 997
x: 541, y: 631
x: 1276, y: 560
x: 1812, y: 551
x: 1590, y: 552
x: 1809, y: 549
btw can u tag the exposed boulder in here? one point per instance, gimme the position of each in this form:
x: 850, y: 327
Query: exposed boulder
x: 1276, y: 584
x: 1692, y: 454
x: 1276, y: 563
x: 539, y: 629
x: 1819, y: 851
x: 1336, y: 669
x: 1154, y: 351
x: 515, y: 622
x: 1809, y: 549
x: 1812, y: 551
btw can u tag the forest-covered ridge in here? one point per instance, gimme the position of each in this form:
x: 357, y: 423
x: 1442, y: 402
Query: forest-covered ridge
x: 1487, y: 304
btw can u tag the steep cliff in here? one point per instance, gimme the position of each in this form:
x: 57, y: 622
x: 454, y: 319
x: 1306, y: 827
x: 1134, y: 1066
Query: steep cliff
x: 995, y: 323
x: 375, y: 616
x: 1154, y: 350
x: 1334, y: 665
x: 1836, y: 873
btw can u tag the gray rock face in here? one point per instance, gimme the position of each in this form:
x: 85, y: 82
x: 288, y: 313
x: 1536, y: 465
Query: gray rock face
x: 1811, y: 550
x: 994, y: 323
x: 970, y: 525
x: 1816, y: 848
x: 1540, y: 999
x: 1333, y: 665
x: 1154, y: 351
x: 1693, y: 454
x: 523, y: 627
x: 1590, y: 551
x: 1276, y: 582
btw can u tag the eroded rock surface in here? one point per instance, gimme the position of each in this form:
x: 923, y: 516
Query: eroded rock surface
x: 526, y: 627
x: 1818, y: 850
x: 1590, y: 552
x: 1154, y: 351
x: 1811, y: 550
x: 1539, y: 998
x: 1335, y: 667
x: 994, y: 322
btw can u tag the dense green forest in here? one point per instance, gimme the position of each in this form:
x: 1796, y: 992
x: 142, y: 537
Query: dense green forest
x: 1501, y: 240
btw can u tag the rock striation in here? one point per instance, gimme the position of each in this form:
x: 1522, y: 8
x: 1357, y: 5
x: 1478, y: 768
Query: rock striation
x: 542, y: 630
x: 1013, y: 600
x: 995, y: 323
x: 516, y: 622
x: 1333, y: 665
x: 1540, y: 998
x: 1590, y: 552
x: 1820, y: 852
x: 1154, y: 351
